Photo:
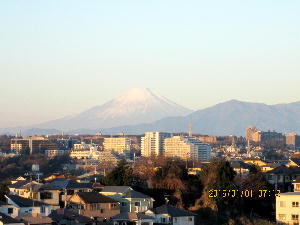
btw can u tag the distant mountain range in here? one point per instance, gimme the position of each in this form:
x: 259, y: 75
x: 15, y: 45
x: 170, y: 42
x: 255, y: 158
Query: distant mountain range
x: 140, y: 110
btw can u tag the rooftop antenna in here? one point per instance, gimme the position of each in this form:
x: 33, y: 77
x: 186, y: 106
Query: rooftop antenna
x: 190, y: 130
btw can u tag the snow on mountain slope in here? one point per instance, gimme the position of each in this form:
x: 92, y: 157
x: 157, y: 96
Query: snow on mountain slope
x: 133, y: 107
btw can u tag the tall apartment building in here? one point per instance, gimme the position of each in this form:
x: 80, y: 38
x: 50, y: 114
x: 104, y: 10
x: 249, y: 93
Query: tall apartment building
x: 253, y: 134
x: 152, y: 144
x: 33, y: 144
x: 265, y: 137
x: 117, y: 144
x: 186, y: 148
x: 293, y: 140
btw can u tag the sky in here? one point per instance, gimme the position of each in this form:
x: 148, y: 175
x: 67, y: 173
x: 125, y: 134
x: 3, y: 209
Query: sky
x: 60, y: 57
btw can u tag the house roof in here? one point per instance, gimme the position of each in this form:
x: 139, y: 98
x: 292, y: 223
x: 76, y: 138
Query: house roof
x: 285, y: 170
x: 60, y: 183
x: 38, y: 220
x: 18, y: 184
x: 34, y: 186
x: 24, y: 202
x: 60, y: 214
x: 173, y: 211
x: 5, y: 219
x: 117, y: 189
x: 131, y: 216
x: 95, y: 197
x: 239, y: 164
x: 135, y: 194
x: 296, y: 161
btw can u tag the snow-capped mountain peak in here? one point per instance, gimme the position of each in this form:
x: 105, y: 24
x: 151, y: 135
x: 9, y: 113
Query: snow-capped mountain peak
x: 135, y: 106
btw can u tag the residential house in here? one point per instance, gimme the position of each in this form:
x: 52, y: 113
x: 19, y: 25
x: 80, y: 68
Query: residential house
x: 282, y: 176
x: 131, y: 218
x: 59, y: 191
x: 167, y: 214
x: 9, y: 209
x: 95, y: 205
x: 7, y: 220
x: 29, y: 190
x: 28, y: 206
x: 130, y: 200
x: 288, y: 206
x: 69, y: 217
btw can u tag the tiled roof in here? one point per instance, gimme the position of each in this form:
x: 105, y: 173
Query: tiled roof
x: 61, y: 214
x: 135, y: 194
x: 38, y: 220
x: 131, y: 216
x: 58, y: 184
x: 95, y: 197
x: 173, y: 211
x: 117, y: 189
x: 18, y: 184
x: 24, y: 202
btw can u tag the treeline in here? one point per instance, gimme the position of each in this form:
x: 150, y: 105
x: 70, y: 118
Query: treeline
x: 170, y: 182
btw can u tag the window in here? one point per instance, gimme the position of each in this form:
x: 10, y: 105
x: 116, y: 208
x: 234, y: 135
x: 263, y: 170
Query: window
x: 175, y: 220
x: 295, y: 204
x: 281, y: 217
x: 43, y: 209
x: 282, y: 204
x: 101, y: 210
x: 190, y: 219
x: 70, y: 192
x: 295, y: 217
x: 10, y: 210
x: 124, y: 204
x: 137, y: 204
x: 163, y: 220
x: 46, y: 195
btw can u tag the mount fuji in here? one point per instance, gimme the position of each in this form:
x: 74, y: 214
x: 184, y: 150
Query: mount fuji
x: 133, y: 107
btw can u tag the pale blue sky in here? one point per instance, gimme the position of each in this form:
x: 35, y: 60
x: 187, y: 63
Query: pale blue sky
x: 60, y: 57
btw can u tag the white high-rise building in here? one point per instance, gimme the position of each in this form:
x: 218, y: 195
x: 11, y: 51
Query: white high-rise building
x: 153, y: 143
x: 186, y: 148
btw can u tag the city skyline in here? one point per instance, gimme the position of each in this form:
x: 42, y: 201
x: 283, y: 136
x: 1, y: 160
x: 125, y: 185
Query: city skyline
x: 61, y: 58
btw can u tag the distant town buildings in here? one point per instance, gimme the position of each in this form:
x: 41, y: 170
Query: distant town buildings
x: 293, y: 140
x: 35, y: 144
x: 152, y: 144
x: 186, y: 148
x: 272, y: 138
x: 117, y: 144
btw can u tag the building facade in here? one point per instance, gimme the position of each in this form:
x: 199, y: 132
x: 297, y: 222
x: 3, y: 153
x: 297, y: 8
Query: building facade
x: 152, y: 144
x: 117, y: 144
x: 186, y: 148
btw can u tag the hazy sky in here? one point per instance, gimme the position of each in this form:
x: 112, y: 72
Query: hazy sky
x: 60, y: 57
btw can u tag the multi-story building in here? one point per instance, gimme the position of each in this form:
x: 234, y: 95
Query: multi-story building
x: 55, y: 152
x: 117, y: 144
x: 84, y: 151
x: 264, y: 137
x: 292, y: 140
x: 186, y: 148
x: 153, y: 143
x: 34, y: 144
x: 288, y: 206
x: 253, y: 134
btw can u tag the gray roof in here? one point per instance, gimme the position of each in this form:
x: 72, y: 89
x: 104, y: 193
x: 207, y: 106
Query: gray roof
x: 5, y: 219
x: 95, y: 197
x: 135, y: 194
x: 59, y: 184
x: 24, y: 202
x: 18, y: 184
x: 117, y: 189
x: 131, y: 216
x: 61, y: 214
x: 173, y: 211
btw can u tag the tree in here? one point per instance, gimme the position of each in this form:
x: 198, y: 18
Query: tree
x: 120, y: 175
